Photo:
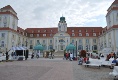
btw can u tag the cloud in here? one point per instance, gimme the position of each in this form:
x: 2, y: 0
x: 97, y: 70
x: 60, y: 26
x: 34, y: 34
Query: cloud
x: 46, y: 13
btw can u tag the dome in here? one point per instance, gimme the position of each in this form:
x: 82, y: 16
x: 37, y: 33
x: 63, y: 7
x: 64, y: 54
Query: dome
x: 70, y: 47
x: 38, y: 47
x: 62, y: 18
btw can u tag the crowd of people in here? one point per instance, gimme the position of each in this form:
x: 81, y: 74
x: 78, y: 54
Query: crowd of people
x: 69, y: 56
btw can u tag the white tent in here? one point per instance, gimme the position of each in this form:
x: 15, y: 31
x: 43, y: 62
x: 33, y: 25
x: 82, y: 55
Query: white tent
x: 107, y: 50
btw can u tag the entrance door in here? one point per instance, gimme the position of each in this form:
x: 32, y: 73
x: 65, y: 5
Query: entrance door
x: 61, y: 47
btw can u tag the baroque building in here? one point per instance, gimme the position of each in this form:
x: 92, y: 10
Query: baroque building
x: 85, y: 38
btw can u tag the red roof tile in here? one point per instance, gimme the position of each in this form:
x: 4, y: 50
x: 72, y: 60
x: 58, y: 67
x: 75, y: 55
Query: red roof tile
x: 8, y: 7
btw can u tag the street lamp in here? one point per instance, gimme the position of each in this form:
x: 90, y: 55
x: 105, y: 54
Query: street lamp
x: 76, y: 49
x: 26, y: 43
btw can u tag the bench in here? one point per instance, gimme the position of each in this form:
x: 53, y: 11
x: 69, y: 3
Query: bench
x: 93, y: 62
x: 106, y: 63
x: 115, y: 72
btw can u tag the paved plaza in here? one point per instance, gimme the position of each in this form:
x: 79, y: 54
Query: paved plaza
x: 51, y: 69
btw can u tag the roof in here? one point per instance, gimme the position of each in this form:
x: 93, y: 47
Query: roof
x: 8, y: 7
x: 115, y: 2
x: 84, y: 30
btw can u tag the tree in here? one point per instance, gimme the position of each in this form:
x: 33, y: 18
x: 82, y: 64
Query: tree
x: 83, y: 53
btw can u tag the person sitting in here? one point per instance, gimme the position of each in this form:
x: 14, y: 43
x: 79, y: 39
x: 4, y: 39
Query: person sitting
x: 114, y: 62
x: 80, y: 60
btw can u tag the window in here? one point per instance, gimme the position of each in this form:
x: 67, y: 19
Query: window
x: 94, y: 47
x: 31, y: 35
x: 87, y: 40
x: 37, y: 41
x: 5, y: 21
x: 61, y: 34
x: 85, y: 30
x: 43, y: 41
x: 94, y: 34
x: 50, y: 41
x: 51, y: 30
x: 30, y: 41
x: 93, y: 30
x: 50, y: 47
x: 0, y: 18
x: 94, y: 40
x: 72, y: 41
x: 38, y: 30
x: 80, y: 34
x: 3, y: 35
x: 80, y: 41
x: 87, y: 34
x: 2, y: 44
x: 61, y: 40
x: 5, y: 24
x: 72, y: 30
x: 44, y: 34
x: 59, y: 26
x: 50, y: 34
x: 26, y: 34
x: 37, y: 35
x: 44, y: 30
x: 79, y: 30
x: 31, y: 46
x: 32, y: 31
x: 73, y: 34
x: 80, y: 47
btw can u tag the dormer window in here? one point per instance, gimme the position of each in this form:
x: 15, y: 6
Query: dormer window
x: 44, y: 30
x: 51, y: 30
x: 32, y: 31
x: 44, y: 34
x: 72, y: 30
x: 79, y: 30
x: 94, y: 34
x: 87, y: 34
x: 85, y: 30
x: 38, y: 30
x: 93, y: 30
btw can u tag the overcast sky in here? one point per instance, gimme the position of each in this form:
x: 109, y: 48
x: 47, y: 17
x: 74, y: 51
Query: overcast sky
x: 46, y: 13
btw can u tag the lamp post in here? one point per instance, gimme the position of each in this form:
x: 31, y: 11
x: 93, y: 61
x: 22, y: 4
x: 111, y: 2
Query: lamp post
x: 76, y: 49
x: 26, y: 43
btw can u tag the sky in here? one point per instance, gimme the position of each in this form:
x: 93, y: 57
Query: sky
x: 47, y: 13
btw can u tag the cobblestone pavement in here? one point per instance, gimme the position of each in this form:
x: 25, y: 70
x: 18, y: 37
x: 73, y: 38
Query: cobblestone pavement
x: 91, y: 73
x: 51, y: 69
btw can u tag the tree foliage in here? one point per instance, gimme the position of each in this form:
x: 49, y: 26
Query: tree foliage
x: 83, y: 53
